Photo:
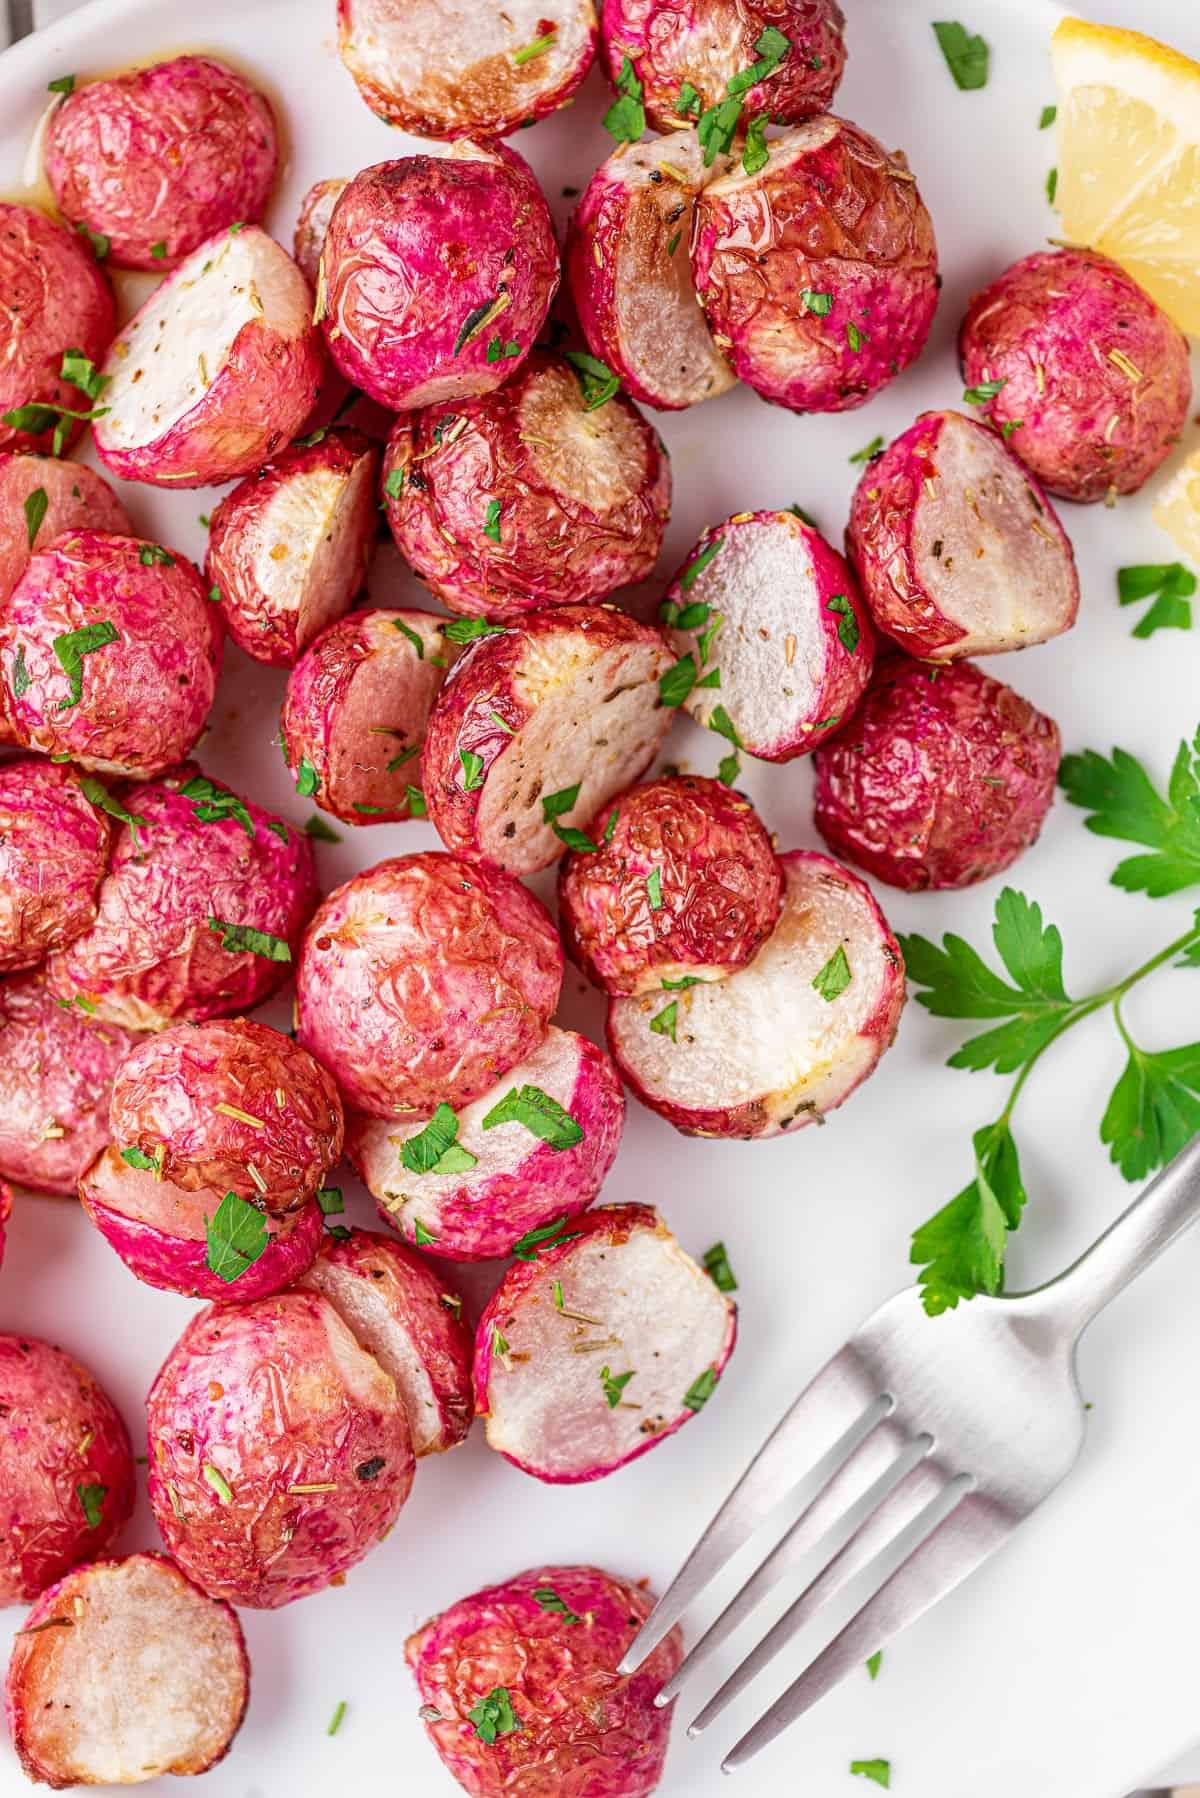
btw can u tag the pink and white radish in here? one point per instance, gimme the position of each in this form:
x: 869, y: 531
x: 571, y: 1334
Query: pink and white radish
x: 529, y: 1154
x: 537, y: 726
x: 535, y: 495
x: 288, y: 549
x: 685, y: 887
x: 958, y: 549
x: 42, y: 498
x: 784, y: 1041
x: 58, y: 314
x: 603, y: 1344
x: 410, y: 1319
x: 216, y: 372
x: 356, y: 710
x: 123, y: 1672
x: 312, y: 223
x: 54, y: 842
x: 774, y: 640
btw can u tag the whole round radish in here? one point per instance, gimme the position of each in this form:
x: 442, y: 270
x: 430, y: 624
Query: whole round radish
x: 109, y: 654
x: 58, y: 318
x: 200, y: 1241
x: 124, y: 1671
x: 629, y: 273
x: 217, y: 371
x: 408, y: 1316
x: 788, y: 1038
x: 159, y: 159
x: 425, y: 979
x: 288, y: 549
x: 1084, y: 374
x: 355, y: 713
x: 201, y: 911
x: 818, y: 272
x: 690, y: 55
x: 685, y: 888
x: 537, y: 726
x: 942, y: 778
x: 430, y: 262
x: 604, y: 1343
x: 773, y: 638
x: 439, y: 71
x: 230, y: 1104
x: 54, y: 843
x: 266, y: 1490
x: 531, y: 496
x: 43, y: 498
x: 515, y: 1164
x: 66, y: 1467
x: 57, y: 1063
x: 958, y: 549
x: 312, y: 223
x: 556, y: 1636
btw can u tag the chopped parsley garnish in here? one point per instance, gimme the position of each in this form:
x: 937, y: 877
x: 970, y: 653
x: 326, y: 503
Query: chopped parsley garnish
x: 678, y: 681
x: 687, y: 106
x: 214, y: 595
x: 499, y: 1344
x: 21, y: 678
x: 986, y: 390
x: 1174, y: 586
x: 966, y: 54
x: 755, y: 155
x: 135, y: 1157
x: 699, y: 563
x: 1049, y: 114
x: 405, y: 755
x: 436, y: 1148
x: 97, y: 794
x: 320, y: 832
x: 472, y: 767
x: 664, y: 1022
x: 701, y: 1390
x: 491, y: 524
x: 716, y: 1266
x: 414, y: 637
x: 880, y: 1771
x: 36, y: 504
x: 848, y: 631
x: 64, y: 84
x: 626, y: 117
x: 873, y: 449
x: 82, y: 372
x: 553, y: 807
x: 855, y: 338
x: 610, y: 827
x: 417, y: 807
x: 728, y: 769
x: 335, y: 1722
x: 717, y: 128
x: 547, y: 1599
x: 538, y: 47
x: 212, y: 804
x: 245, y: 939
x: 307, y: 779
x: 1013, y: 424
x: 549, y: 1236
x: 499, y: 351
x: 597, y: 382
x: 158, y: 250
x: 99, y: 242
x: 37, y: 419
x: 465, y: 630
x: 91, y: 1502
x: 720, y: 721
x: 236, y: 1237
x: 614, y: 1385
x: 681, y: 985
x: 330, y: 1201
x: 71, y: 649
x: 539, y: 1113
x: 311, y: 441
x: 394, y: 485
x: 1052, y: 186
x: 216, y: 1479
x: 421, y: 1236
x: 874, y: 1663
x: 673, y: 243
x: 833, y: 979
x: 654, y: 889
x: 819, y: 303
x: 494, y: 1716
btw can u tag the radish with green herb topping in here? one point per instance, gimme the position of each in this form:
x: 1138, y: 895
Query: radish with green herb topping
x: 785, y: 1040
x: 542, y: 493
x: 59, y: 317
x: 54, y: 841
x: 537, y: 726
x: 601, y: 1344
x: 43, y: 498
x: 773, y: 640
x: 515, y: 1165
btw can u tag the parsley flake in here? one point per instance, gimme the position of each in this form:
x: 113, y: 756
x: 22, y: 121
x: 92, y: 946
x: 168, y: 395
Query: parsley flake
x: 547, y: 1599
x: 435, y: 1149
x: 212, y: 804
x: 91, y: 1502
x: 665, y: 1022
x: 491, y: 524
x: 540, y: 1114
x: 472, y: 767
x: 716, y: 1266
x: 466, y: 630
x: 236, y: 1237
x: 245, y: 939
x: 966, y: 54
x: 549, y: 1236
x: 307, y: 778
x: 414, y: 637
x: 833, y: 979
x: 97, y: 794
x: 699, y: 563
x: 494, y: 1716
x: 36, y: 504
x: 873, y: 449
x: 71, y: 649
x: 1174, y: 586
x: 654, y: 889
x: 614, y: 1385
x: 701, y: 1389
x: 847, y: 630
x: 597, y: 382
x: 626, y: 117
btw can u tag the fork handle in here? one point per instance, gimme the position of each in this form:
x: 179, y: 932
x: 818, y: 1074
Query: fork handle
x: 1163, y: 1211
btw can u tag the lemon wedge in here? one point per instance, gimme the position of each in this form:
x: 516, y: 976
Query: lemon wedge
x: 1177, y: 509
x: 1129, y: 157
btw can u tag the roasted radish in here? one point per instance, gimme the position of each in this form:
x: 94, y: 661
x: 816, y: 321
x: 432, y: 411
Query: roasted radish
x: 42, y: 498
x: 57, y: 323
x: 54, y: 842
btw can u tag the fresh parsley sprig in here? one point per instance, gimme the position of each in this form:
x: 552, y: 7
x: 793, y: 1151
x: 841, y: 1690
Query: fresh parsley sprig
x: 1123, y: 802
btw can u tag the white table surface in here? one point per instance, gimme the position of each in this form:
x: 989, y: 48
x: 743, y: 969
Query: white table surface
x: 1067, y: 1668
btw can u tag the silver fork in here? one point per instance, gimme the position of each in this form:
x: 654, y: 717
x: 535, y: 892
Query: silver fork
x: 923, y: 1442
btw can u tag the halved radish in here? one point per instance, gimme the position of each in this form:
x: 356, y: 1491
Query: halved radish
x: 958, y: 550
x: 125, y: 1671
x: 355, y: 713
x: 312, y: 222
x: 407, y: 1315
x: 604, y: 1343
x: 774, y: 639
x: 685, y: 887
x: 289, y: 548
x: 509, y: 1178
x: 537, y: 726
x: 630, y: 274
x: 780, y: 1043
x: 217, y: 371
x: 175, y: 1238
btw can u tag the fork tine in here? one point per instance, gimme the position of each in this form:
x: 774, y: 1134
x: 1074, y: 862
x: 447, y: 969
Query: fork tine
x: 828, y: 1420
x: 880, y: 1460
x: 909, y: 1497
x: 960, y: 1540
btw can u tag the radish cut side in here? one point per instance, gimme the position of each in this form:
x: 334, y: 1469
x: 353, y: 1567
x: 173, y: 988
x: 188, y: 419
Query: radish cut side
x: 765, y: 1050
x: 141, y: 1674
x: 551, y: 1377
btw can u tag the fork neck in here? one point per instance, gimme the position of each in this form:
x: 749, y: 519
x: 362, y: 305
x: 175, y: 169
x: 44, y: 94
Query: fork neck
x: 1163, y: 1211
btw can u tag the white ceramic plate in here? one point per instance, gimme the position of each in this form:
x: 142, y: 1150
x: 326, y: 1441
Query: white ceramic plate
x: 1067, y: 1668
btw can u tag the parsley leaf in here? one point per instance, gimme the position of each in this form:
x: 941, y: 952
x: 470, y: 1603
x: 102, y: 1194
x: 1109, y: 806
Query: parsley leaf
x: 654, y: 889
x: 243, y: 938
x: 499, y: 351
x: 1124, y: 803
x: 152, y: 555
x: 212, y: 804
x: 874, y: 1663
x: 966, y: 55
x: 394, y: 485
x: 538, y: 47
x: 821, y: 304
x: 701, y: 1389
x: 848, y: 632
x: 91, y: 1502
x: 699, y: 563
x: 82, y: 372
x: 97, y: 794
x: 720, y: 721
x: 1049, y: 114
x: 421, y: 1236
x: 319, y: 831
x: 236, y: 1235
x: 22, y: 680
x: 436, y: 1148
x: 597, y: 382
x: 465, y: 630
x: 873, y: 449
x: 879, y: 1771
x: 548, y: 1600
x: 1154, y: 1109
x: 539, y: 1113
x: 414, y: 637
x: 626, y: 117
x: 755, y: 154
x: 614, y: 1385
x: 331, y: 1201
x: 36, y: 504
x: 961, y: 1249
x: 985, y: 391
x: 678, y: 681
x: 549, y: 1236
x: 472, y: 767
x: 307, y: 778
x: 833, y: 979
x: 137, y: 1158
x: 1172, y: 582
x: 716, y: 1266
x: 665, y: 1022
x: 71, y: 649
x: 494, y: 1716
x: 688, y: 104
x: 64, y: 84
x: 491, y: 524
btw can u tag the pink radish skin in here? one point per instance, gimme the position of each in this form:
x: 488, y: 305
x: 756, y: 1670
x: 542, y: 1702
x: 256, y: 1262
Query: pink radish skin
x: 77, y: 499
x: 519, y: 1183
x: 53, y: 855
x: 56, y: 298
